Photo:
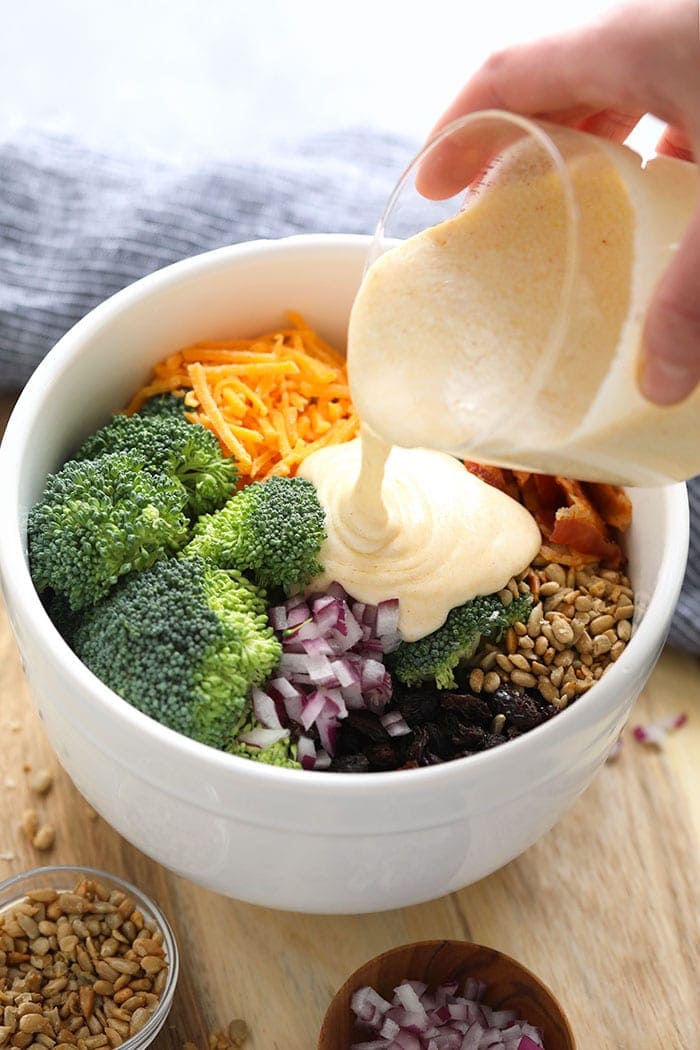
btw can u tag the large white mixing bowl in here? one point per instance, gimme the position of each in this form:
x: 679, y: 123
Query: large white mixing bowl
x: 305, y: 841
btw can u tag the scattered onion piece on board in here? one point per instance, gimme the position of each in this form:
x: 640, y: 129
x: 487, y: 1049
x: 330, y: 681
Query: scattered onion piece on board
x: 655, y: 734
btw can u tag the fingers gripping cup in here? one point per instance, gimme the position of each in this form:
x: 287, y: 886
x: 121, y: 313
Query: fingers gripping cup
x: 500, y: 318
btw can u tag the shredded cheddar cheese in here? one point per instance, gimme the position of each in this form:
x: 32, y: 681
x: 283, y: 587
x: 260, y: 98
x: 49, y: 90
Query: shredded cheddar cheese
x: 270, y: 401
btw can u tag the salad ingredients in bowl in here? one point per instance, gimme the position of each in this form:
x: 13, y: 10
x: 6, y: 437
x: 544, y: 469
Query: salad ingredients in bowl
x: 326, y: 841
x: 191, y: 552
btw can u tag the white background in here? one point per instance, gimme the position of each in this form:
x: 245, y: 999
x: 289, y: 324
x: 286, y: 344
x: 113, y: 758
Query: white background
x: 181, y: 78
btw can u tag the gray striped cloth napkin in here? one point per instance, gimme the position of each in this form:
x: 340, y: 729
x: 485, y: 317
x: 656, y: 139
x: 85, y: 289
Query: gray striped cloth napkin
x: 76, y: 226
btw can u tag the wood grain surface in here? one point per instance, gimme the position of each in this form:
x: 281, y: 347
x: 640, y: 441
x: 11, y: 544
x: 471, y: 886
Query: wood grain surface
x: 605, y: 908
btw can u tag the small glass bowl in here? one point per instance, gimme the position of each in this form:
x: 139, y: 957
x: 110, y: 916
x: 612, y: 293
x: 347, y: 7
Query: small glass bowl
x: 64, y: 878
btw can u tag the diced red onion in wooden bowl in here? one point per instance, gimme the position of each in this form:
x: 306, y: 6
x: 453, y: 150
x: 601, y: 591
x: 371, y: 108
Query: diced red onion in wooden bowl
x: 420, y: 1018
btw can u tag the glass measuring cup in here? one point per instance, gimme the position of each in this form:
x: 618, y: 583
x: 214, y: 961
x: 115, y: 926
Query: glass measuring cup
x: 506, y: 328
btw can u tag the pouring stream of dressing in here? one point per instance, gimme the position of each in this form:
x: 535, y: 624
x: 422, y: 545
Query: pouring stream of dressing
x: 414, y: 524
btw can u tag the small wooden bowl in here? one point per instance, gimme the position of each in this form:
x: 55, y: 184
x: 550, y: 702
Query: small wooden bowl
x: 509, y: 986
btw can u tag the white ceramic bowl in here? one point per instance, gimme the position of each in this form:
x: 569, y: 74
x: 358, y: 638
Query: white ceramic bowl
x: 303, y: 841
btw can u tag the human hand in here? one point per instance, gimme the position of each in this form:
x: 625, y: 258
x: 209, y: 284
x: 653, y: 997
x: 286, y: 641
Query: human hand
x: 641, y: 57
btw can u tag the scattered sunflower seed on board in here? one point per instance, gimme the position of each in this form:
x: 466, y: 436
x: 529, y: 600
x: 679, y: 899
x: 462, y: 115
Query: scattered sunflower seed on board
x: 81, y: 969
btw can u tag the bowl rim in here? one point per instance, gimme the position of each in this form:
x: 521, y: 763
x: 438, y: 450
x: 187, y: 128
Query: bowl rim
x: 23, y: 601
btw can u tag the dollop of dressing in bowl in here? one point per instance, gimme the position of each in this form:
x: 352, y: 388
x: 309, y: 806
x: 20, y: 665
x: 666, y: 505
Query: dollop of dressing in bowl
x: 414, y: 524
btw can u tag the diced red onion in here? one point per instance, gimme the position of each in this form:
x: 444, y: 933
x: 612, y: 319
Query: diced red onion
x: 293, y: 663
x: 650, y: 734
x: 421, y: 1019
x: 354, y: 630
x: 332, y: 662
x: 316, y: 646
x: 615, y: 750
x: 366, y: 1001
x: 474, y: 989
x: 294, y: 600
x: 336, y: 702
x: 395, y: 724
x: 262, y: 738
x: 472, y: 1037
x: 503, y: 1018
x: 312, y: 709
x: 389, y: 1028
x: 283, y: 688
x: 327, y: 725
x: 345, y: 673
x: 372, y: 675
x: 277, y: 616
x: 655, y: 733
x: 387, y: 618
x: 265, y: 709
x: 532, y: 1033
x: 298, y: 615
x: 329, y: 614
x: 306, y: 752
x: 319, y: 669
x: 307, y: 633
x: 323, y: 760
x: 409, y: 999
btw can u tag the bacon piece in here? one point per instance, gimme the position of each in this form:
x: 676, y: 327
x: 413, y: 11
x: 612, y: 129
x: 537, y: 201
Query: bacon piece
x: 576, y: 530
x: 612, y: 503
x: 497, y: 477
x: 579, y: 525
x: 566, y: 556
x: 578, y: 521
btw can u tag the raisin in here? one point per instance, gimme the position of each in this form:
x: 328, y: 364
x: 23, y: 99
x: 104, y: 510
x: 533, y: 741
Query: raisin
x: 415, y: 748
x: 470, y: 708
x: 382, y: 756
x: 520, y: 708
x: 367, y: 724
x: 469, y: 738
x: 348, y: 741
x: 439, y: 740
x: 350, y: 764
x: 418, y: 706
x: 493, y: 739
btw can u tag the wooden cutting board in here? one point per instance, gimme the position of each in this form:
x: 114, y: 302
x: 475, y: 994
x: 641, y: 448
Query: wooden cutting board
x: 605, y: 908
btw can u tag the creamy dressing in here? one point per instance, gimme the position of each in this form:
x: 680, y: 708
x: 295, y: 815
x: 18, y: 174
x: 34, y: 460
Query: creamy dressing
x: 414, y: 524
x: 448, y: 330
x: 444, y: 352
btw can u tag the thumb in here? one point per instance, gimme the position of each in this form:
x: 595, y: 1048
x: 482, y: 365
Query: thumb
x: 670, y: 364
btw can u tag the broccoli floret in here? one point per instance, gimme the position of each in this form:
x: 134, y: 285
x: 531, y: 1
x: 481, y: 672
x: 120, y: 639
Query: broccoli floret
x: 282, y: 753
x: 169, y: 444
x: 271, y: 529
x: 164, y: 405
x: 183, y: 642
x: 436, y: 655
x: 64, y: 619
x: 98, y: 520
